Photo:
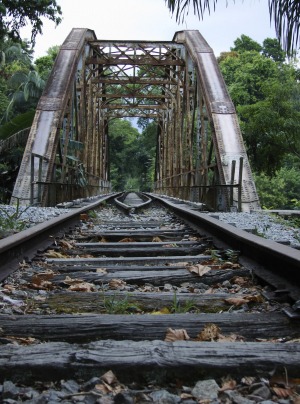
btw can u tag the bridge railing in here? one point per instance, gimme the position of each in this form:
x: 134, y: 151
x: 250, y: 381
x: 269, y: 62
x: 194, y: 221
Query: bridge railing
x: 210, y: 194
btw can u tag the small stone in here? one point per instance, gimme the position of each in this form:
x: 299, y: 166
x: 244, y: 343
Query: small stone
x: 105, y: 400
x: 164, y: 397
x: 226, y: 284
x: 90, y: 384
x: 206, y: 390
x: 267, y: 402
x: 263, y: 392
x: 69, y: 386
x: 122, y: 398
x: 235, y: 397
x: 10, y: 390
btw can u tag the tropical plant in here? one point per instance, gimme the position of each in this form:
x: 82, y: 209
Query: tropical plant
x: 285, y: 14
x: 25, y: 91
x: 15, y: 14
x: 266, y: 93
x: 280, y: 191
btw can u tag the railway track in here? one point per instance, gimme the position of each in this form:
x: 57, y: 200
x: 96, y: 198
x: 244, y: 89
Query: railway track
x: 156, y: 294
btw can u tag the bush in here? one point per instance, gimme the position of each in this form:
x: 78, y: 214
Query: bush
x: 282, y: 191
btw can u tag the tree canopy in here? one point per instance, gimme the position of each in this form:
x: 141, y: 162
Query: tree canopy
x: 266, y: 93
x: 284, y: 13
x: 15, y: 14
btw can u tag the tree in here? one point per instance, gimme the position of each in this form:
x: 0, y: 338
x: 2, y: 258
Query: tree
x: 266, y: 94
x: 272, y: 49
x: 123, y: 149
x: 285, y: 14
x: 245, y: 43
x: 15, y: 59
x: 44, y: 64
x: 15, y: 14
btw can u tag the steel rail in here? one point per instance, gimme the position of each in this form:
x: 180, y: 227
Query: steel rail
x: 25, y: 244
x: 282, y: 260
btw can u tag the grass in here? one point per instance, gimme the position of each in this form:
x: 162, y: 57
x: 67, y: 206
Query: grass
x: 10, y: 222
x: 116, y: 305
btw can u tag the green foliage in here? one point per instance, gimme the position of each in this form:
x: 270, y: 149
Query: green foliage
x: 18, y: 123
x: 246, y: 44
x: 131, y: 155
x: 119, y: 305
x: 272, y: 49
x: 177, y: 307
x: 282, y: 191
x: 10, y: 222
x: 266, y: 94
x: 44, y: 64
x: 25, y: 90
x: 16, y: 14
x: 284, y: 13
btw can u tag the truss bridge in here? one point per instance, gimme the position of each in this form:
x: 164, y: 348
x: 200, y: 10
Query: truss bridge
x: 200, y: 155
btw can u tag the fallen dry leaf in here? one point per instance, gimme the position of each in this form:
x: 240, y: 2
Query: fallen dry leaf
x: 239, y: 280
x: 103, y: 388
x: 109, y: 377
x: 282, y: 392
x: 42, y: 280
x: 55, y: 254
x: 248, y: 380
x: 238, y: 301
x: 116, y: 284
x: 101, y: 271
x: 156, y: 240
x: 210, y: 332
x: 66, y: 245
x: 127, y: 240
x: 209, y: 291
x: 164, y: 310
x: 176, y: 335
x: 186, y: 396
x: 230, y: 338
x: 178, y: 264
x: 8, y: 288
x: 84, y: 216
x: 228, y: 385
x: 22, y: 340
x: 82, y: 287
x: 199, y: 269
x: 230, y: 265
x: 284, y: 381
x: 70, y: 281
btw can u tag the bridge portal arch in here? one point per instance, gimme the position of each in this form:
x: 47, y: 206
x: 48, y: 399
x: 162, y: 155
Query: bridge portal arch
x: 200, y: 151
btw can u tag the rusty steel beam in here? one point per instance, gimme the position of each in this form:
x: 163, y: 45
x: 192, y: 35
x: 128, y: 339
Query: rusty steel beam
x: 198, y: 137
x: 137, y: 61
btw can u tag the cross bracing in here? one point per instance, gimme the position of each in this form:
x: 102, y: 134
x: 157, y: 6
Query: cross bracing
x: 200, y: 152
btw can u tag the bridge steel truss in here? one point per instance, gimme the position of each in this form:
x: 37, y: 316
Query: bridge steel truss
x: 200, y: 151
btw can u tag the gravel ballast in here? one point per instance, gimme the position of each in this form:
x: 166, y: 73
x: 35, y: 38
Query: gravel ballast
x: 263, y: 223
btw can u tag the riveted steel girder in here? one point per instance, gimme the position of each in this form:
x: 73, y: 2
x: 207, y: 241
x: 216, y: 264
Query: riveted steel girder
x: 200, y: 153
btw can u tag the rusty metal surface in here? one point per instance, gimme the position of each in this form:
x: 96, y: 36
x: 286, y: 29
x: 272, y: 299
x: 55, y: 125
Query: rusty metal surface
x: 177, y: 83
x: 25, y: 244
x: 280, y: 259
x: 229, y: 140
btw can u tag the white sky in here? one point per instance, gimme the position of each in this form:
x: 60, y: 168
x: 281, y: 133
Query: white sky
x: 151, y: 20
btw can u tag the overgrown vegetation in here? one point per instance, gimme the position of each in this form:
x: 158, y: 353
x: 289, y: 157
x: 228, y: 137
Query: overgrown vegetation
x: 11, y: 222
x: 263, y: 85
x: 266, y: 92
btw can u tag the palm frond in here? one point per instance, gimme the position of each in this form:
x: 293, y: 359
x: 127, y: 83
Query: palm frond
x: 284, y: 13
x: 286, y: 16
x: 181, y: 7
